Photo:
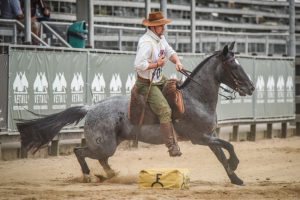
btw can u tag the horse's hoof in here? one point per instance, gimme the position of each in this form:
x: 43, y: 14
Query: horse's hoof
x: 87, y: 178
x: 237, y: 181
x: 101, y: 178
x: 111, y: 173
x: 233, y: 163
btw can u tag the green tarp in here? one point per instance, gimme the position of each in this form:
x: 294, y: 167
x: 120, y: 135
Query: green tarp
x: 50, y: 81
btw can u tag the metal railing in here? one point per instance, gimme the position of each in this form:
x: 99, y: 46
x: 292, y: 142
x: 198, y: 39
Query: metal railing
x: 126, y: 38
x: 10, y: 27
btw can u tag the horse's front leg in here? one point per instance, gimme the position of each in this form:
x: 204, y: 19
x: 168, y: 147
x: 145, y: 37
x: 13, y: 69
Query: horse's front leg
x: 222, y: 158
x: 233, y: 160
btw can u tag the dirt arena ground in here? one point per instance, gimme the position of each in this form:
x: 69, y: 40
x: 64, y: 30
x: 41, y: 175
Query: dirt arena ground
x: 269, y: 168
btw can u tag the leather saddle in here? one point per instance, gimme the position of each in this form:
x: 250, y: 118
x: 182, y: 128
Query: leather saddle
x: 172, y: 94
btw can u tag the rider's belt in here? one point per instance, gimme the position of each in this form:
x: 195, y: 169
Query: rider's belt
x: 143, y: 80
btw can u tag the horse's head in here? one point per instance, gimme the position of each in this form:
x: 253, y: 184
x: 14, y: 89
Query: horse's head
x: 232, y: 74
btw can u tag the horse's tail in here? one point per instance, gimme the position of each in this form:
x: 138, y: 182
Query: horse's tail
x: 37, y: 132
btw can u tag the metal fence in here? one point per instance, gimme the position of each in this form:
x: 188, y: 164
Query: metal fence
x: 47, y: 80
x: 126, y: 38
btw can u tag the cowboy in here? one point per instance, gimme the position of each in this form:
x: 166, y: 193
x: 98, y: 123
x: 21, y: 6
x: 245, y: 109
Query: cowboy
x: 152, y: 52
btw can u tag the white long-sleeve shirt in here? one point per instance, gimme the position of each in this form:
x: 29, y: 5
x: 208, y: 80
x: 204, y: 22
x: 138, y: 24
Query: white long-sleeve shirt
x: 150, y: 48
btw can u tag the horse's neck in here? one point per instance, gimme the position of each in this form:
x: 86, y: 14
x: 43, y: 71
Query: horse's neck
x: 205, y: 91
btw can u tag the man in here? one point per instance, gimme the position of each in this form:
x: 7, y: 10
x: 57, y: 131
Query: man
x: 152, y: 52
x: 11, y: 9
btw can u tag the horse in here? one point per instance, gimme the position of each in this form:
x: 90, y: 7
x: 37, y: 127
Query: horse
x: 107, y: 123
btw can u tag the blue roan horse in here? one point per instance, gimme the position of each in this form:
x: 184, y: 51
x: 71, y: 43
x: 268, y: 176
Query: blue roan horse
x: 107, y: 124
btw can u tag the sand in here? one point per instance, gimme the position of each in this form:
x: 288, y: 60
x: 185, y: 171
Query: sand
x: 269, y: 168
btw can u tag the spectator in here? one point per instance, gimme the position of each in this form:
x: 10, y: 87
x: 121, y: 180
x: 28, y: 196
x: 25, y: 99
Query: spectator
x: 11, y: 9
x: 39, y: 12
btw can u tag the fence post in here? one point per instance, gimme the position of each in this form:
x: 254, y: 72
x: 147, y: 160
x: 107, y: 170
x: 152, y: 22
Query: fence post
x: 23, y: 152
x: 54, y: 147
x: 120, y: 34
x: 284, y: 130
x: 298, y: 128
x: 218, y: 129
x: 252, y: 135
x: 235, y: 130
x: 269, y: 130
x: 0, y: 152
x: 297, y: 94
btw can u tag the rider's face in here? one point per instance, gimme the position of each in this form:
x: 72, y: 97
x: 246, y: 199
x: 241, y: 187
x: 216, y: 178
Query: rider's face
x: 159, y: 30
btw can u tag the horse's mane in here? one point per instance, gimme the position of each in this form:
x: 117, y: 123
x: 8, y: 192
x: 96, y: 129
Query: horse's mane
x: 195, y: 71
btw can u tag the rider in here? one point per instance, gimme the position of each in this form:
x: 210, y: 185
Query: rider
x: 152, y: 52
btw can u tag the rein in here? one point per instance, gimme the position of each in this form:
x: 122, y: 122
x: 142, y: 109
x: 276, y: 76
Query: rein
x: 187, y: 73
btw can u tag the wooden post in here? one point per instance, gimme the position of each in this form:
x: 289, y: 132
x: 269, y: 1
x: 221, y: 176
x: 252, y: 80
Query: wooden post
x: 298, y: 128
x: 55, y: 148
x: 252, y: 135
x: 283, y: 130
x: 83, y: 142
x: 269, y: 130
x: 23, y: 152
x: 0, y: 152
x: 235, y: 130
x: 218, y: 129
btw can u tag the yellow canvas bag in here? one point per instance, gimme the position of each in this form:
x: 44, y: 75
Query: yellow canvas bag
x: 164, y: 178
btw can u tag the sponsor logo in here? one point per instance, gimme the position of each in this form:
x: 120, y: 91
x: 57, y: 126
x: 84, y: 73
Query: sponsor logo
x: 260, y: 89
x: 183, y: 78
x: 247, y: 99
x: 59, y: 87
x: 173, y: 76
x: 20, y: 88
x: 77, y: 85
x: 280, y: 89
x: 115, y: 85
x: 98, y: 88
x: 270, y: 90
x: 130, y: 83
x: 1, y: 118
x: 40, y: 92
x: 289, y: 89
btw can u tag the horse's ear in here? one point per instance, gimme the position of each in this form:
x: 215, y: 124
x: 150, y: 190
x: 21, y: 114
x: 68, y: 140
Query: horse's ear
x: 225, y: 50
x: 231, y: 46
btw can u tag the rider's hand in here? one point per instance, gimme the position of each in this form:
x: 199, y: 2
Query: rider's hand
x: 179, y: 66
x: 161, y: 61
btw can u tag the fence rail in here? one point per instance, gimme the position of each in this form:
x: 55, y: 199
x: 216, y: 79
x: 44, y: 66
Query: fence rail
x: 125, y: 38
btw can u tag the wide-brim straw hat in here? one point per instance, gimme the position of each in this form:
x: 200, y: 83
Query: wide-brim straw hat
x: 156, y: 19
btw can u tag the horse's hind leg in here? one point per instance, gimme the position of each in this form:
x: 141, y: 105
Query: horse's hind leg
x: 222, y: 158
x: 81, y: 153
x: 108, y: 170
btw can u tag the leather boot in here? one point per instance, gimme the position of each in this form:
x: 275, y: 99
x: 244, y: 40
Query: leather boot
x: 169, y: 137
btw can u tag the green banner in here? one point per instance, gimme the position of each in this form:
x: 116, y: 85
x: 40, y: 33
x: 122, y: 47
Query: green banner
x: 45, y: 82
x: 50, y: 81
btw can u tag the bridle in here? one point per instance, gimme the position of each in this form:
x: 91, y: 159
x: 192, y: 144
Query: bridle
x: 232, y: 75
x: 225, y: 65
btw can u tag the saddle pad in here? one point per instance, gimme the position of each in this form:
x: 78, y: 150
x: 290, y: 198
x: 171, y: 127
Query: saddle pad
x: 164, y: 178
